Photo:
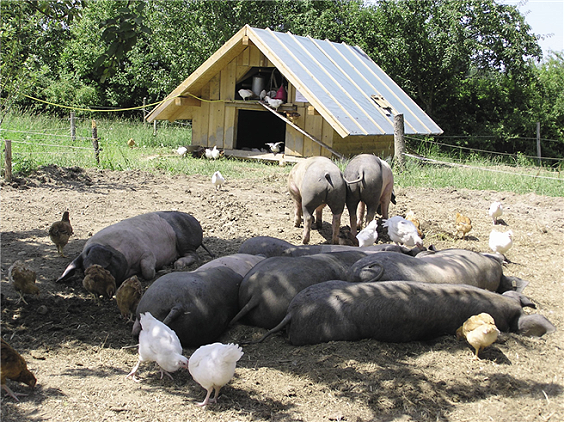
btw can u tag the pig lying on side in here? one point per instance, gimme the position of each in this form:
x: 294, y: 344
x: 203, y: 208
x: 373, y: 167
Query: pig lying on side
x: 314, y: 183
x: 397, y: 311
x: 452, y: 266
x: 141, y: 245
x: 268, y: 246
x: 199, y: 304
x: 268, y: 288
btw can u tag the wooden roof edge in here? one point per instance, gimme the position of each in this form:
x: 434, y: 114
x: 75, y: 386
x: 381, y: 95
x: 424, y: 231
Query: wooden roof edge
x: 198, y: 73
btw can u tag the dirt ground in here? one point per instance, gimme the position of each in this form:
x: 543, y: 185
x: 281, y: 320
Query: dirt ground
x: 76, y: 348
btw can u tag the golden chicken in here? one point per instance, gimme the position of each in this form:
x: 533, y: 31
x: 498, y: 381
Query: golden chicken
x: 479, y: 330
x: 99, y: 281
x: 410, y: 216
x: 60, y: 232
x: 23, y: 280
x: 463, y: 225
x: 128, y: 296
x: 14, y: 368
x: 131, y: 143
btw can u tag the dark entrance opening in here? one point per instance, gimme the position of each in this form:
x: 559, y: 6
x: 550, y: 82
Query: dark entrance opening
x: 255, y: 128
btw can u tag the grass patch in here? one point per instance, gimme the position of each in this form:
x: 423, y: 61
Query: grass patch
x: 39, y: 140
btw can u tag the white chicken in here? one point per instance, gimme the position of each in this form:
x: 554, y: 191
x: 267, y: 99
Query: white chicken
x: 275, y: 147
x: 273, y: 102
x: 182, y: 151
x: 245, y: 93
x: 262, y: 94
x: 368, y: 235
x: 496, y: 209
x: 501, y: 242
x: 159, y: 343
x: 212, y: 366
x: 217, y: 180
x: 212, y: 153
x: 403, y: 231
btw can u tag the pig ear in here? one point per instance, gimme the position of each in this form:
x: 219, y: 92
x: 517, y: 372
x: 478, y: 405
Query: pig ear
x: 71, y: 269
x: 369, y: 273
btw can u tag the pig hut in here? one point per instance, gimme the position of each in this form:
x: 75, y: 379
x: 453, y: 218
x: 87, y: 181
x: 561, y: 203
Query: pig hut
x: 336, y: 100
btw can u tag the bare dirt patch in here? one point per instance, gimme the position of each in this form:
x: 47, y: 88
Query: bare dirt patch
x: 76, y: 351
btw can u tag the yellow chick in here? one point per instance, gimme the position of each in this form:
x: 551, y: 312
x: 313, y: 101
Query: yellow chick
x: 463, y: 225
x: 410, y: 216
x: 479, y: 330
x: 23, y: 280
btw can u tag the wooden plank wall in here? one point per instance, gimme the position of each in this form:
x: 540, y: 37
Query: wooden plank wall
x: 215, y: 123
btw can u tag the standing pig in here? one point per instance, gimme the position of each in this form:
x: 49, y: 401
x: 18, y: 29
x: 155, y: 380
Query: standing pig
x: 313, y: 184
x: 268, y: 288
x: 199, y: 304
x: 141, y: 245
x: 371, y: 184
x: 398, y: 311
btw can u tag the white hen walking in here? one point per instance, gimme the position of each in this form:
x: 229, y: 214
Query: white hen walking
x: 217, y: 180
x: 212, y: 366
x: 496, y: 209
x: 501, y: 242
x: 403, y: 231
x: 158, y: 343
x: 368, y: 235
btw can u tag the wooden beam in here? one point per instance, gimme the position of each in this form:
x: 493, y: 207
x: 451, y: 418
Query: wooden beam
x: 311, y: 111
x: 299, y: 129
x: 187, y: 102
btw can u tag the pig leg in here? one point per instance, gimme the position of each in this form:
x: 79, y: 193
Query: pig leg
x: 308, y: 221
x: 336, y: 225
x: 319, y: 217
x: 147, y: 264
x: 360, y: 215
x: 297, y: 213
x: 186, y: 260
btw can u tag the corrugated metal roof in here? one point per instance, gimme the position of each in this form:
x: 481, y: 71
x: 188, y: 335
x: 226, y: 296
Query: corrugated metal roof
x: 344, y: 85
x: 340, y: 81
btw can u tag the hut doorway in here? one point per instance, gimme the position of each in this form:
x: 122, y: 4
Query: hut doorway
x: 255, y: 128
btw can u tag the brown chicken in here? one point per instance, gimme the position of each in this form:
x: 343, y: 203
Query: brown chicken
x: 99, y: 281
x: 463, y: 225
x: 23, y: 280
x: 15, y: 369
x: 128, y: 296
x: 60, y: 232
x: 410, y: 215
x: 346, y: 237
x: 479, y: 330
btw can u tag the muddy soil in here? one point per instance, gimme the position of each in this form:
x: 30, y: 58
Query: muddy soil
x: 78, y: 349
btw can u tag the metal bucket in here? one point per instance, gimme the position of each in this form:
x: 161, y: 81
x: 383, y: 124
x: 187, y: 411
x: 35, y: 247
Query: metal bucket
x: 259, y: 83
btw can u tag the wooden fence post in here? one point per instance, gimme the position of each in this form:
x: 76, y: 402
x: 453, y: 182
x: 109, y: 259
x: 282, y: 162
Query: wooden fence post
x: 95, y: 141
x: 399, y: 142
x: 144, y: 111
x: 155, y: 127
x: 8, y: 162
x: 73, y: 126
x: 538, y: 143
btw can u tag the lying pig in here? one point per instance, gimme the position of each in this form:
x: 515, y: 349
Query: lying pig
x: 371, y: 184
x: 271, y: 246
x: 199, y: 304
x: 314, y: 183
x: 452, y: 266
x: 268, y: 288
x: 141, y: 245
x: 397, y: 311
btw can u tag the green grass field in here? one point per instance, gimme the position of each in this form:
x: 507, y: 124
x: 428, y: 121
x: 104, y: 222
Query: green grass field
x: 39, y: 140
